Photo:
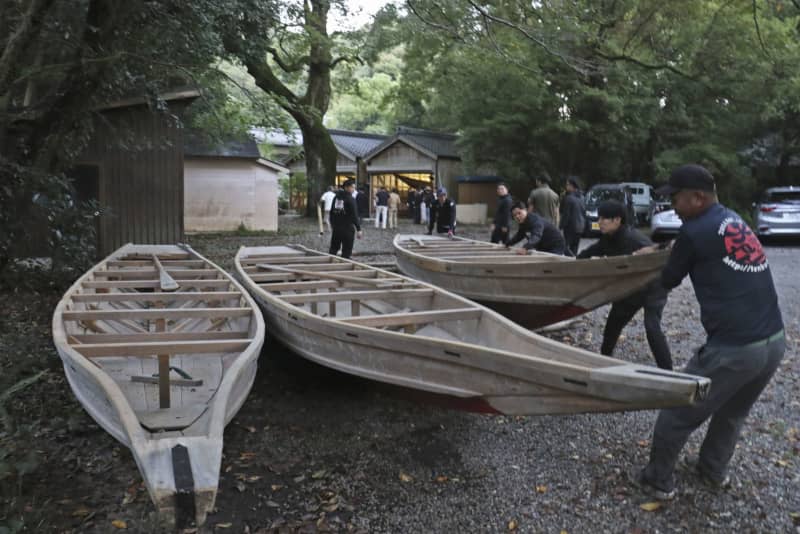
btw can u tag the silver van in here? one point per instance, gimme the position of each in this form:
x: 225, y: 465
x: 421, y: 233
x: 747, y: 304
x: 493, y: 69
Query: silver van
x: 642, y: 197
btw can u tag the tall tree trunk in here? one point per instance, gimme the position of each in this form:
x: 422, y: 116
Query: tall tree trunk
x: 320, y: 153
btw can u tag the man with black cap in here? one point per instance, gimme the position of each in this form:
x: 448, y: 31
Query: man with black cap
x: 344, y: 220
x: 572, y: 215
x: 745, y: 340
x: 543, y: 200
x: 541, y: 234
x: 618, y: 239
x: 443, y: 214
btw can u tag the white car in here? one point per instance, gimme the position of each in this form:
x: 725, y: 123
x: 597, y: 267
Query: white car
x: 665, y: 224
x: 778, y: 212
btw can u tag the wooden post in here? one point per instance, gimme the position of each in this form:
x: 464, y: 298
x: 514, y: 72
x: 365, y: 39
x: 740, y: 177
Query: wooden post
x: 355, y: 308
x: 313, y: 303
x: 163, y: 367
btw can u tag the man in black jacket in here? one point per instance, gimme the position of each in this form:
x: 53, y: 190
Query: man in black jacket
x: 501, y: 225
x: 572, y: 215
x: 344, y: 220
x: 618, y: 239
x: 443, y: 214
x: 542, y: 235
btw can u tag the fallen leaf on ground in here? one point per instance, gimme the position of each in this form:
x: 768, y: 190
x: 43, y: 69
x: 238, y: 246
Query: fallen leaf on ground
x: 512, y: 525
x: 319, y: 474
x: 643, y: 442
x: 223, y: 525
x: 441, y: 479
x: 650, y: 506
x: 405, y: 478
x: 81, y: 512
x: 247, y: 455
x: 119, y: 523
x: 276, y: 487
x: 541, y: 489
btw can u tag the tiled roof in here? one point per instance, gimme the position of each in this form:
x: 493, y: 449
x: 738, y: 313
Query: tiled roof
x: 357, y: 144
x: 441, y: 144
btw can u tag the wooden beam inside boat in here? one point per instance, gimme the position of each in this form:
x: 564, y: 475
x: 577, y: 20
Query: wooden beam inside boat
x: 164, y: 313
x: 252, y: 260
x: 391, y: 294
x: 145, y: 263
x: 152, y: 337
x: 155, y: 297
x: 153, y: 284
x: 151, y: 350
x: 141, y: 274
x: 420, y: 317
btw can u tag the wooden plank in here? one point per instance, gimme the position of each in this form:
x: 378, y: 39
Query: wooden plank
x: 165, y: 336
x: 390, y: 294
x: 151, y: 349
x: 182, y: 313
x: 163, y: 364
x: 141, y: 274
x: 279, y: 277
x: 253, y: 260
x: 153, y: 284
x: 161, y: 256
x: 206, y: 296
x: 149, y: 263
x: 301, y: 286
x: 173, y: 382
x: 421, y: 317
x: 351, y: 277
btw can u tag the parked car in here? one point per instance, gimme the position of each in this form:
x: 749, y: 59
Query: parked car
x: 642, y: 196
x: 594, y: 196
x: 659, y: 203
x: 778, y: 212
x: 665, y: 224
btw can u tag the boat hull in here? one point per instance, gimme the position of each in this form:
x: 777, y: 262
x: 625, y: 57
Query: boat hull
x: 534, y: 291
x: 467, y: 352
x: 102, y: 329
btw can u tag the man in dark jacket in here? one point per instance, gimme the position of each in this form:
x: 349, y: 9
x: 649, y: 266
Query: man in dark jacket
x: 745, y: 337
x: 501, y: 225
x: 344, y: 220
x: 572, y: 215
x: 617, y: 239
x: 413, y: 207
x: 443, y: 214
x: 542, y: 235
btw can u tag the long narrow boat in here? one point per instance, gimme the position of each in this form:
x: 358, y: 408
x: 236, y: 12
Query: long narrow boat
x: 533, y: 290
x: 160, y: 347
x: 388, y: 327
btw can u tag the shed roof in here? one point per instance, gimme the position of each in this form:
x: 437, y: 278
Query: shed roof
x: 200, y: 145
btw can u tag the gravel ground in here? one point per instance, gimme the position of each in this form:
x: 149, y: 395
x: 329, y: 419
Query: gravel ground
x: 316, y: 450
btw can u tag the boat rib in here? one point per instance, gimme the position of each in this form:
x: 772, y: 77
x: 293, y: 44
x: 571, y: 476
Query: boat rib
x: 160, y: 347
x: 534, y: 290
x: 387, y: 327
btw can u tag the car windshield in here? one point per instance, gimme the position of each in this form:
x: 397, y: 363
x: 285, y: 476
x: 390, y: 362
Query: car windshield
x: 596, y: 196
x: 782, y: 196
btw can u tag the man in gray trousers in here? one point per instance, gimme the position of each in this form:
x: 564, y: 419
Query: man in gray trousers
x: 745, y: 339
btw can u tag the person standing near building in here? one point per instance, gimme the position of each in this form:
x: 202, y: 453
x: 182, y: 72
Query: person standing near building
x: 541, y: 234
x: 344, y: 220
x: 617, y: 239
x: 381, y: 207
x: 543, y: 200
x: 745, y: 340
x: 501, y: 224
x: 394, y: 207
x: 411, y: 202
x: 425, y: 205
x: 327, y: 202
x: 572, y: 215
x: 443, y: 214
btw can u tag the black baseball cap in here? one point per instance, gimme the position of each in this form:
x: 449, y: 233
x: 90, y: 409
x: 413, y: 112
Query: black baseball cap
x: 691, y: 176
x: 348, y: 183
x: 610, y: 209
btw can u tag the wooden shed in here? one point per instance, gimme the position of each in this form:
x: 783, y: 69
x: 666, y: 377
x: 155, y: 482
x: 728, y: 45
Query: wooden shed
x: 133, y: 166
x: 474, y: 190
x: 228, y: 185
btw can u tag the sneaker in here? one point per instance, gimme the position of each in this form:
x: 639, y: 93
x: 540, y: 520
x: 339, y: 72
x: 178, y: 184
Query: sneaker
x: 639, y: 480
x: 692, y: 462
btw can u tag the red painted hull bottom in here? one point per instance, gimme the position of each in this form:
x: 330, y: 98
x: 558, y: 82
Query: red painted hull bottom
x: 534, y: 316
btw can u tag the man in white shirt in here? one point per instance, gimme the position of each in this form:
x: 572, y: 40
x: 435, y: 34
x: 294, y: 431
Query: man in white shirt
x: 327, y: 203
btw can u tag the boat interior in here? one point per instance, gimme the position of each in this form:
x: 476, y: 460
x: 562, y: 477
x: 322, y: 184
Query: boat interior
x: 164, y: 324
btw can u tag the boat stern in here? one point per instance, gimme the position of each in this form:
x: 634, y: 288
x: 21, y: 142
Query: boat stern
x: 182, y: 476
x: 649, y: 386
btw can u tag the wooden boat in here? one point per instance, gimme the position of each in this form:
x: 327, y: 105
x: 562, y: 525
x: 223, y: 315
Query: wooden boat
x: 388, y: 327
x: 533, y: 290
x: 160, y: 347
